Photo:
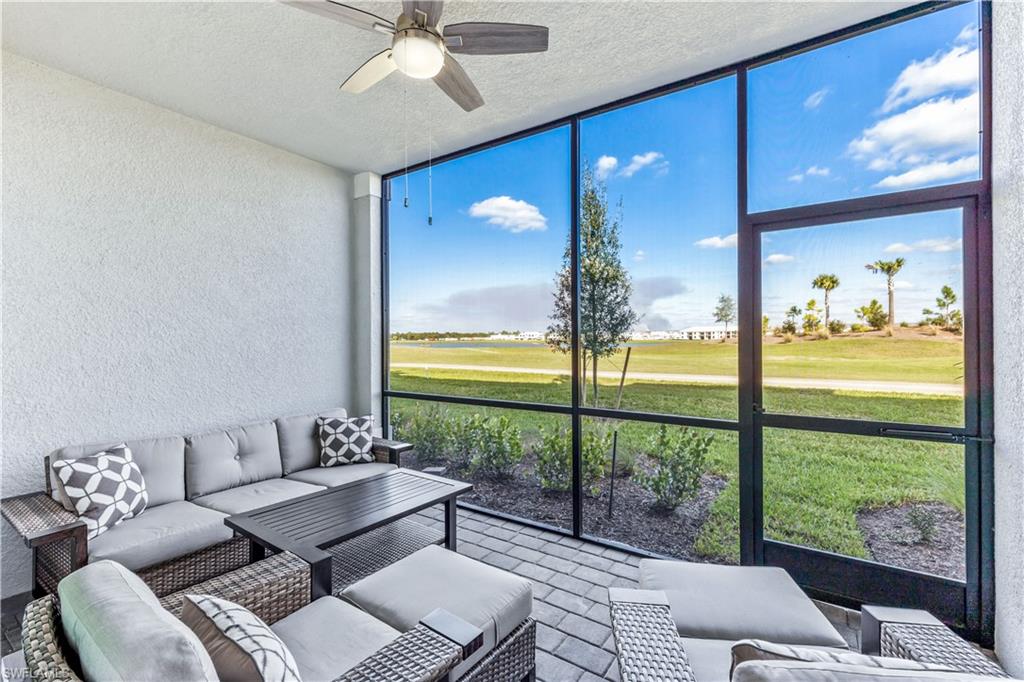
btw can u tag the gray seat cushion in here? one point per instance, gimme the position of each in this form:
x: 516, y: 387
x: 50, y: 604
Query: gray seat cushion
x: 299, y: 442
x: 334, y: 476
x: 710, y: 659
x: 117, y: 627
x: 255, y: 495
x: 330, y: 637
x: 405, y: 592
x: 710, y: 601
x: 802, y: 671
x: 160, y: 533
x: 161, y: 461
x: 227, y: 459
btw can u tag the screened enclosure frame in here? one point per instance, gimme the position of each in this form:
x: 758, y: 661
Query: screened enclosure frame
x: 968, y: 606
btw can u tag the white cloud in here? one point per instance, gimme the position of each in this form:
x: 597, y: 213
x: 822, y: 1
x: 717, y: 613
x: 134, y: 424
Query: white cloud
x: 514, y: 215
x: 639, y: 256
x: 641, y: 161
x: 933, y: 130
x: 931, y: 172
x: 778, y: 259
x: 716, y: 242
x: 968, y: 34
x: 605, y: 166
x: 796, y: 177
x: 819, y: 171
x: 940, y: 245
x: 815, y: 99
x: 956, y: 69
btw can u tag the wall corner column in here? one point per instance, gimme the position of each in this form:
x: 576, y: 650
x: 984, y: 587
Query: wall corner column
x: 367, y: 282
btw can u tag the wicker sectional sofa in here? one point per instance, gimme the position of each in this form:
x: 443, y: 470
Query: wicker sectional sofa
x: 194, y: 482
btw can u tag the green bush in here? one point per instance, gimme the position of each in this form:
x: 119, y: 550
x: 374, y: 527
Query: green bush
x: 554, y: 458
x: 836, y: 326
x: 923, y: 521
x: 498, y: 445
x: 680, y: 458
x: 858, y: 328
x: 430, y: 431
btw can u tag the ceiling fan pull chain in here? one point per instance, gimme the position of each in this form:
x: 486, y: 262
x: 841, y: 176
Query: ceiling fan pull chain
x: 430, y: 169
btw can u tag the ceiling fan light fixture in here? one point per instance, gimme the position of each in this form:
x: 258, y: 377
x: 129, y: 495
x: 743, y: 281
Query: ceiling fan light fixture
x: 418, y: 53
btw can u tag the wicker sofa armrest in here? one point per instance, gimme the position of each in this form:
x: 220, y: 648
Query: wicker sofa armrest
x: 271, y: 588
x: 646, y: 638
x: 38, y: 518
x: 389, y: 451
x: 42, y: 640
x: 919, y: 636
x: 419, y: 655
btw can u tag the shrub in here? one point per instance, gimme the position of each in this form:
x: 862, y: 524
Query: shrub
x: 873, y: 314
x: 498, y: 446
x: 430, y: 432
x: 788, y: 327
x: 836, y: 326
x: 923, y: 521
x: 554, y: 458
x: 680, y: 458
x: 823, y: 335
x: 858, y: 328
x: 788, y: 337
x: 929, y: 330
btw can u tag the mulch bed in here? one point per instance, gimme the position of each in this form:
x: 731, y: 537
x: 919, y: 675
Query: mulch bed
x: 892, y: 539
x: 636, y: 520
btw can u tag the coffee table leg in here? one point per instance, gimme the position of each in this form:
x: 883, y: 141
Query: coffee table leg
x: 450, y: 518
x: 257, y: 552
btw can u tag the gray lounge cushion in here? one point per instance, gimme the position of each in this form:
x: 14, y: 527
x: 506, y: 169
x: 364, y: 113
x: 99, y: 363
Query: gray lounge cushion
x: 243, y: 647
x: 161, y: 461
x: 759, y: 650
x: 801, y: 671
x: 117, y: 627
x: 255, y: 495
x: 710, y: 601
x: 227, y: 459
x: 329, y: 637
x: 710, y: 659
x: 331, y: 477
x: 407, y: 591
x: 300, y: 442
x: 161, y: 533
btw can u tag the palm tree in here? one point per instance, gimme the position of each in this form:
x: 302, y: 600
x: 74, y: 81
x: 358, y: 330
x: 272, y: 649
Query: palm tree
x: 826, y: 283
x: 889, y: 268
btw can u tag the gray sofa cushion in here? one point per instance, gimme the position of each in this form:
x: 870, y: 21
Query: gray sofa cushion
x: 161, y: 461
x: 331, y: 477
x: 255, y: 495
x: 405, y: 592
x: 801, y: 671
x: 759, y: 650
x: 160, y: 533
x: 117, y: 627
x: 710, y: 659
x: 227, y: 459
x: 329, y: 637
x: 300, y: 443
x: 710, y: 601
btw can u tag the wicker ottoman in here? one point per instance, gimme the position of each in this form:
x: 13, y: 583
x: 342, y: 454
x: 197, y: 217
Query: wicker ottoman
x: 497, y: 602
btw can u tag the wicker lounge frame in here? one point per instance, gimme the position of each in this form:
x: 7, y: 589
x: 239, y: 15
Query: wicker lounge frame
x: 272, y: 589
x: 59, y: 543
x: 649, y: 649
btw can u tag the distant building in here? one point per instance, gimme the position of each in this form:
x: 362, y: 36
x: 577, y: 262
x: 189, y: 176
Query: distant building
x: 708, y: 333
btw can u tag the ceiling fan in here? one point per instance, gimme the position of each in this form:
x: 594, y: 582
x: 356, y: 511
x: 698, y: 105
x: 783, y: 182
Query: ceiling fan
x: 422, y: 48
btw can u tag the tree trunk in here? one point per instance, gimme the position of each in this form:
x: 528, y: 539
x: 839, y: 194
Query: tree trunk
x: 892, y: 309
x: 826, y: 309
x: 583, y: 377
x: 593, y: 364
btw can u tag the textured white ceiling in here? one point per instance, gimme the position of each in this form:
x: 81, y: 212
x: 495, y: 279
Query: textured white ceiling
x: 271, y: 72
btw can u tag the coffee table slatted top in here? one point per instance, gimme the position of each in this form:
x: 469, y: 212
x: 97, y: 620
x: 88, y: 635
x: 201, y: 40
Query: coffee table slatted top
x: 334, y: 515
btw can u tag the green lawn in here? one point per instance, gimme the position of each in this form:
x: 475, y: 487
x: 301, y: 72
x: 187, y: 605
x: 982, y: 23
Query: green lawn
x: 813, y: 483
x: 908, y: 356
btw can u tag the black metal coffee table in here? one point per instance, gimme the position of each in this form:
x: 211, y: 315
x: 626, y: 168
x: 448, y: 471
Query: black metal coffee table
x: 353, y: 530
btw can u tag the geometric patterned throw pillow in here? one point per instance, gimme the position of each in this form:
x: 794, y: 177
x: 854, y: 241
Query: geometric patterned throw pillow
x: 345, y: 441
x: 241, y: 645
x: 104, y: 489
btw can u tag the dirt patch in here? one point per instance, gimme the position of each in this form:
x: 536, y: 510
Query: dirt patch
x: 893, y: 536
x: 635, y: 519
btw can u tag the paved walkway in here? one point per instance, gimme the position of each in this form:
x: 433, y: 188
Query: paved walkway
x: 855, y: 385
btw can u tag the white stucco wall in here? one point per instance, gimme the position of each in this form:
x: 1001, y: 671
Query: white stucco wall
x: 160, y: 275
x: 1008, y: 303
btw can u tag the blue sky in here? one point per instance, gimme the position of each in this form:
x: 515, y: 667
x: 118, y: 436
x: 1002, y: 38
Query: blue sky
x: 890, y: 110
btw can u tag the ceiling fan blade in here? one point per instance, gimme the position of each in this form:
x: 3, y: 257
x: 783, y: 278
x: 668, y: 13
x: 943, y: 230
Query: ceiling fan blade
x: 481, y: 37
x: 345, y: 14
x: 377, y: 68
x: 423, y: 12
x: 456, y: 84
